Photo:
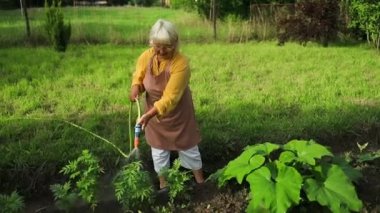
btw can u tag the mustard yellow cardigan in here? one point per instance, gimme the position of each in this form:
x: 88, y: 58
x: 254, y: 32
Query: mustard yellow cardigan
x: 178, y: 81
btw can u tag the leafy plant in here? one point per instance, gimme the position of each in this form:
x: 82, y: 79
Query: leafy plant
x: 363, y: 156
x: 64, y: 197
x: 176, y: 180
x: 277, y: 174
x: 11, y: 203
x: 132, y: 186
x: 83, y: 175
x: 58, y: 32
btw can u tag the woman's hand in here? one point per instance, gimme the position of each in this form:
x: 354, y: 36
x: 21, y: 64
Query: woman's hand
x: 145, y: 118
x: 134, y: 94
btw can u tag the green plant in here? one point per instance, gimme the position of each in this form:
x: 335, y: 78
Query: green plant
x: 83, y: 175
x: 58, y: 32
x: 278, y: 173
x: 11, y: 203
x: 132, y: 186
x: 363, y: 156
x: 63, y: 196
x: 176, y: 180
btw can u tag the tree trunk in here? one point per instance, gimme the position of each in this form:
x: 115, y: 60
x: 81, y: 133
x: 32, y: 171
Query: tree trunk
x: 214, y: 17
x: 25, y: 13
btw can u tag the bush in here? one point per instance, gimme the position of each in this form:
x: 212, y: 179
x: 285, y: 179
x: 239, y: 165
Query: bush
x: 58, y: 32
x: 314, y: 20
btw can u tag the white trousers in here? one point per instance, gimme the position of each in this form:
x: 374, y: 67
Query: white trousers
x: 190, y: 159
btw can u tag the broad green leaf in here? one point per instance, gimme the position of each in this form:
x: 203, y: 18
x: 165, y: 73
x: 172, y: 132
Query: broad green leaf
x: 368, y: 157
x: 352, y: 173
x: 263, y: 148
x: 335, y: 191
x: 251, y: 159
x: 287, y: 156
x: 242, y: 166
x: 307, y: 151
x: 274, y: 195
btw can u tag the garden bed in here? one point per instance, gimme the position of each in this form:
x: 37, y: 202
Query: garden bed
x: 209, y: 198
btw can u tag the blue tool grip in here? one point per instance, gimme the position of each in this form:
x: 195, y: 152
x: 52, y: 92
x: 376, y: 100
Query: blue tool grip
x: 137, y: 130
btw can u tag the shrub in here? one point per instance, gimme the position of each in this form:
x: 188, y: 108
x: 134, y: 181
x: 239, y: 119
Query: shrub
x: 280, y: 176
x: 314, y: 20
x: 58, y: 32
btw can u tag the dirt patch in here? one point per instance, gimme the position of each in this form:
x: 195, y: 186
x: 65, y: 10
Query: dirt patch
x: 368, y: 188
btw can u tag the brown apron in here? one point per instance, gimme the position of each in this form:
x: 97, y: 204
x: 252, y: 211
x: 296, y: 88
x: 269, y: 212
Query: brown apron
x: 177, y: 130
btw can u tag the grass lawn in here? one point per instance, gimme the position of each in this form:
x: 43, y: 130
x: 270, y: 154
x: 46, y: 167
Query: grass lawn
x: 250, y: 93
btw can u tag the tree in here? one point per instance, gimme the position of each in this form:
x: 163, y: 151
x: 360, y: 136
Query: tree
x: 25, y: 13
x: 58, y: 32
x: 365, y: 14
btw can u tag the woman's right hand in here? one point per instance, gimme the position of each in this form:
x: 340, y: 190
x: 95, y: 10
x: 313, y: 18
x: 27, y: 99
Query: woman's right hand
x: 134, y: 94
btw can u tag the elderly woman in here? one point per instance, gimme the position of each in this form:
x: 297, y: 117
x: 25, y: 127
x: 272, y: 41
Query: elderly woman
x: 163, y: 73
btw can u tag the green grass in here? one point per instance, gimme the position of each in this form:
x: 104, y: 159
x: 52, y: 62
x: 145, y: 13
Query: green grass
x: 118, y: 25
x: 103, y: 25
x: 243, y: 94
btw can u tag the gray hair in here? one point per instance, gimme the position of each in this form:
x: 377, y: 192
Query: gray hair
x: 163, y: 32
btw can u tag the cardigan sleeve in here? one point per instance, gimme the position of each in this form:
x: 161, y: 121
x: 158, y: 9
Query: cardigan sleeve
x: 141, y: 65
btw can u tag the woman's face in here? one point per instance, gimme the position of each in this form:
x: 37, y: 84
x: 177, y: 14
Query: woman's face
x: 164, y: 51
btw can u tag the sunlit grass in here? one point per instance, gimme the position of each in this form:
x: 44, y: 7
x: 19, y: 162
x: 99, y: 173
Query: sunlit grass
x: 250, y: 92
x: 103, y: 25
